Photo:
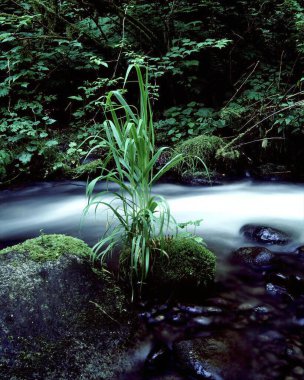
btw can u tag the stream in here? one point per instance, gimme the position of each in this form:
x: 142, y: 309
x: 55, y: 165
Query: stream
x: 265, y: 307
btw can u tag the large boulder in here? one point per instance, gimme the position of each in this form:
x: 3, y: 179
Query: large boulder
x: 59, y: 319
x: 264, y: 234
x: 222, y: 357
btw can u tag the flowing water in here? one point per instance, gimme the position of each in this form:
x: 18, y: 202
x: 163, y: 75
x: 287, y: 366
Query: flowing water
x: 56, y: 207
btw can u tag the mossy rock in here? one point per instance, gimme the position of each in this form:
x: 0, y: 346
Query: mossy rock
x: 50, y: 247
x: 59, y: 317
x: 88, y: 169
x: 205, y: 151
x: 186, y: 263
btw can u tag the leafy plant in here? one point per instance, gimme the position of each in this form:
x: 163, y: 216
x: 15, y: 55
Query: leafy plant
x: 141, y: 219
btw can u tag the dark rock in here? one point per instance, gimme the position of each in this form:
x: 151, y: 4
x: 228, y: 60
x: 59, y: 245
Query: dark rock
x: 272, y: 172
x: 294, y: 284
x: 300, y: 251
x: 213, y: 310
x: 202, y: 321
x: 177, y: 318
x: 255, y: 257
x: 264, y: 234
x: 158, y: 358
x: 203, y: 179
x: 215, y: 358
x: 194, y: 310
x: 278, y: 291
x: 60, y: 320
x: 155, y: 320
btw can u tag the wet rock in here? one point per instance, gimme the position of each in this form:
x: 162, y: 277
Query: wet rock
x: 158, y: 358
x: 261, y: 313
x: 278, y: 291
x: 270, y: 337
x: 194, y: 310
x: 272, y: 172
x: 177, y: 318
x: 255, y: 257
x: 294, y: 284
x: 212, y: 310
x: 203, y: 178
x: 57, y: 325
x: 202, y: 321
x: 298, y: 371
x: 223, y: 357
x: 246, y: 307
x: 155, y: 320
x: 264, y: 234
x: 300, y: 251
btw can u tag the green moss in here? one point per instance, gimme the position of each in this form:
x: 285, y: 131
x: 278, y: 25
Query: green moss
x: 187, y: 263
x: 50, y: 247
x: 206, y: 149
x: 91, y: 168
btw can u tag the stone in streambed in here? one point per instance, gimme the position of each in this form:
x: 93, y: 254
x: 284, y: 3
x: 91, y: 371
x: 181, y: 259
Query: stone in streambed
x: 223, y: 357
x: 300, y: 251
x: 264, y: 234
x: 158, y: 358
x: 255, y: 257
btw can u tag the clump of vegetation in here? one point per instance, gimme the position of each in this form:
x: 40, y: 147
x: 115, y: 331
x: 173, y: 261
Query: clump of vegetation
x: 186, y: 263
x: 204, y: 152
x: 50, y: 247
x: 87, y: 170
x: 140, y: 217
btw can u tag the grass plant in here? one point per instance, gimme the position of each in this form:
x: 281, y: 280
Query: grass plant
x: 141, y: 219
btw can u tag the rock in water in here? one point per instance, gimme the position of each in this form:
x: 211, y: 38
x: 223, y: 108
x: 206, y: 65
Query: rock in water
x: 59, y: 320
x: 263, y: 234
x: 255, y: 257
x: 214, y: 358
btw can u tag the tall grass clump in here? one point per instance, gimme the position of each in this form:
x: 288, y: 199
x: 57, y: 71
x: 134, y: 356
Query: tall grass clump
x: 141, y: 220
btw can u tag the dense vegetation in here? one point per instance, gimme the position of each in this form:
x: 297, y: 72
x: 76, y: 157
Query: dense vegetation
x: 233, y: 69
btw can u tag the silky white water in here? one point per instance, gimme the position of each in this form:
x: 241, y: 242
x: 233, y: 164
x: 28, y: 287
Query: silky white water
x: 57, y: 208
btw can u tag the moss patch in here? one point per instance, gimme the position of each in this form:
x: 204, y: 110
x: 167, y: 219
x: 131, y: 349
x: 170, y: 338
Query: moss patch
x: 188, y: 263
x: 208, y: 149
x: 88, y: 169
x: 50, y: 247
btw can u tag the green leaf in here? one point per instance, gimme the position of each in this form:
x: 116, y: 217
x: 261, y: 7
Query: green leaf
x: 76, y: 97
x: 25, y: 158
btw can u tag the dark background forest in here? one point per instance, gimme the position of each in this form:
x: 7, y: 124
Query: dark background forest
x: 229, y: 68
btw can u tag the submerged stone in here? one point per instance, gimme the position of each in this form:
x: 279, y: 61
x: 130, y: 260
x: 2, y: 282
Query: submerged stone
x: 255, y: 257
x: 59, y: 319
x: 158, y: 358
x: 215, y: 358
x: 264, y: 234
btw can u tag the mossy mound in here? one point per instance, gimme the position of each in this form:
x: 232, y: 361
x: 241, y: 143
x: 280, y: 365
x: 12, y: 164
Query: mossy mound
x: 50, y: 247
x: 206, y: 151
x: 187, y: 263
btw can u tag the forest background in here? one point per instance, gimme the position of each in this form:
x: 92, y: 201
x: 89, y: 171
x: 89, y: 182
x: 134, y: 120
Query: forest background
x: 229, y: 68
